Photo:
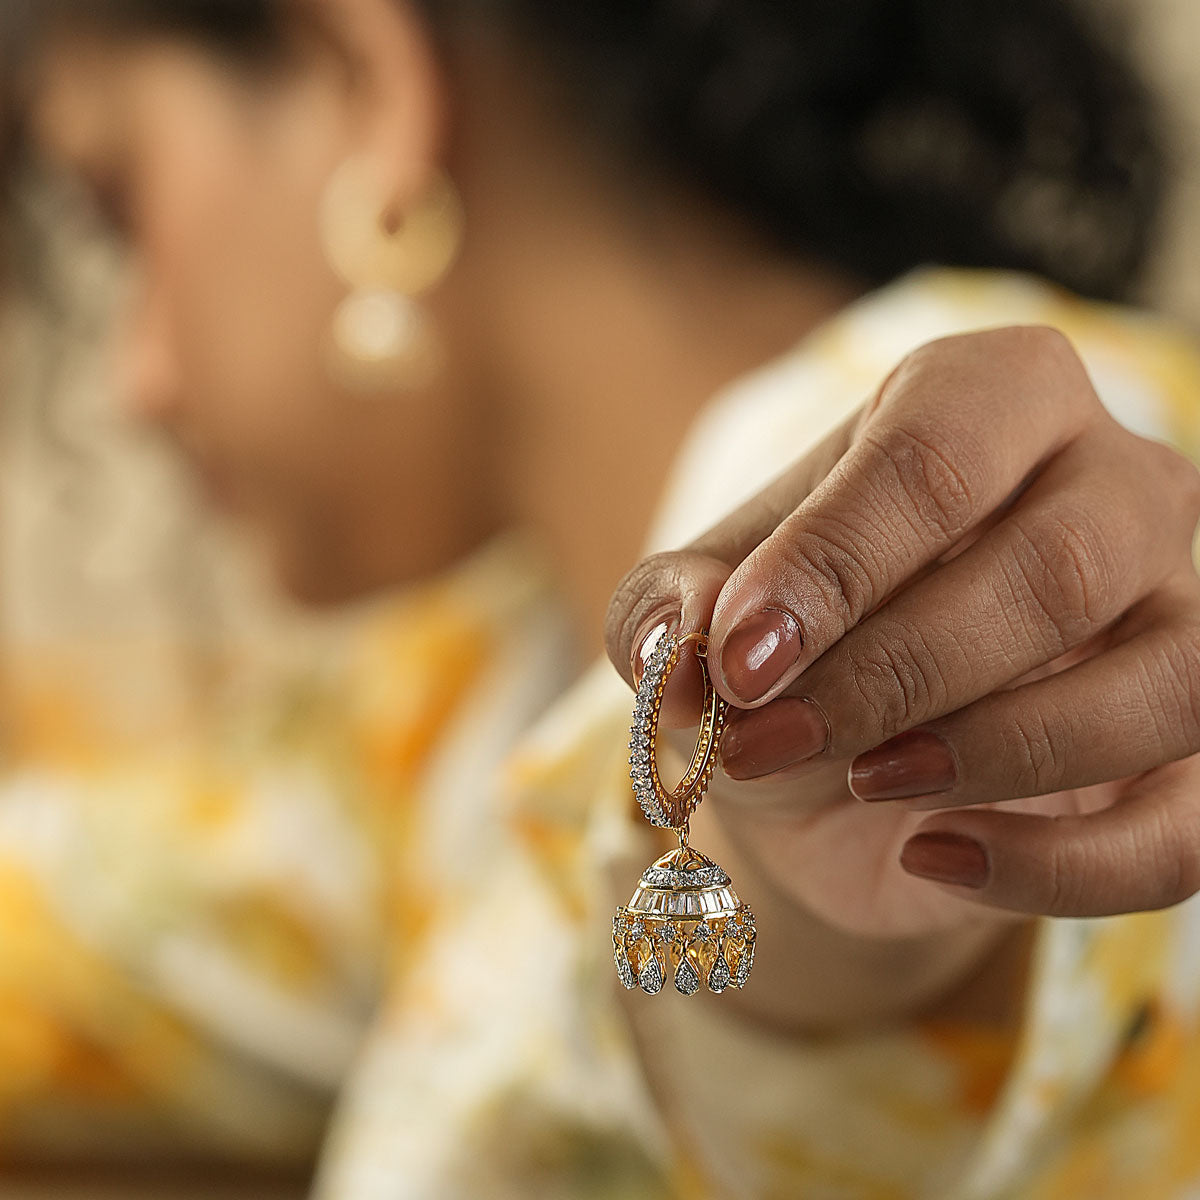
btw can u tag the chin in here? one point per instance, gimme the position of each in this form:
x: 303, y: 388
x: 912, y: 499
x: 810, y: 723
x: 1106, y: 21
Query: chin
x: 324, y: 559
x: 332, y: 581
x: 318, y: 591
x: 316, y: 585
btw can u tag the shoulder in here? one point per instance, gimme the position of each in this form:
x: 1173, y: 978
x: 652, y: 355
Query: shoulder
x: 1145, y: 368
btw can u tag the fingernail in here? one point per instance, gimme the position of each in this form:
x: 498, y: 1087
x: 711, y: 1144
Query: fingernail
x: 784, y: 734
x: 651, y: 633
x: 917, y: 763
x: 946, y: 858
x: 759, y: 652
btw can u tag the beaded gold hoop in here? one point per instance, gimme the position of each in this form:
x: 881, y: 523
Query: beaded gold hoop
x: 684, y: 918
x: 672, y: 809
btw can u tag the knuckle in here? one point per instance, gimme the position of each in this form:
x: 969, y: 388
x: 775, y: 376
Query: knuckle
x: 1174, y: 842
x: 1061, y: 881
x: 1052, y: 364
x: 1045, y: 347
x: 934, y: 474
x: 1040, y: 362
x: 1068, y: 571
x: 847, y: 580
x: 1172, y: 478
x: 1035, y: 754
x: 1176, y: 698
x: 898, y: 680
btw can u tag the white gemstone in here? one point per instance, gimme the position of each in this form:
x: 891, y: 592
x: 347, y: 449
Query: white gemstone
x: 625, y: 971
x: 636, y: 929
x: 719, y: 976
x: 669, y: 933
x: 686, y: 980
x: 651, y: 976
x: 745, y: 965
x: 702, y: 931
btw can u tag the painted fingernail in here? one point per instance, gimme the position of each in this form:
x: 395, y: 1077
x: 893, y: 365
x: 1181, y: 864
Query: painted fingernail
x: 784, y: 734
x: 916, y: 763
x: 946, y: 858
x: 759, y: 652
x: 651, y: 633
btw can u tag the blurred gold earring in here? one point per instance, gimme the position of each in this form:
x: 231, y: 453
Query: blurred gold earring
x: 382, y: 336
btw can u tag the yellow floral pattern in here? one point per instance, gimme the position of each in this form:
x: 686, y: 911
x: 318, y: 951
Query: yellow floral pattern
x: 195, y: 929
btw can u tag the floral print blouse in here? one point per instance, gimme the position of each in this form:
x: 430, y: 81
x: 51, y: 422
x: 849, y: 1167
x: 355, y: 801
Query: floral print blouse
x: 383, y: 888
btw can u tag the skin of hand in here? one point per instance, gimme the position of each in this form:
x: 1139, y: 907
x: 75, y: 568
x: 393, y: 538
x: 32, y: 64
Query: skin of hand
x: 976, y: 600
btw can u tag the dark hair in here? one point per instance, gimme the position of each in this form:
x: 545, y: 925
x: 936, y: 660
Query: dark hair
x: 872, y: 135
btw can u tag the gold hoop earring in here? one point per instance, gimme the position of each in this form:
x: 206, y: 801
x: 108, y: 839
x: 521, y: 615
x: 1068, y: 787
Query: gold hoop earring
x: 684, y: 918
x: 381, y: 335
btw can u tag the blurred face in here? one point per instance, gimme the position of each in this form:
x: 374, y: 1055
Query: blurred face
x: 214, y: 174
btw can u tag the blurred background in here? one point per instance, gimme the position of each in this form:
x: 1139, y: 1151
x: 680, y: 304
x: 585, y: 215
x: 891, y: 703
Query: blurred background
x: 1168, y: 32
x: 115, y: 580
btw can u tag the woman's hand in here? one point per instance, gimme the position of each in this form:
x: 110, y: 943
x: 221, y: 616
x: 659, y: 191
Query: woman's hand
x: 978, y: 598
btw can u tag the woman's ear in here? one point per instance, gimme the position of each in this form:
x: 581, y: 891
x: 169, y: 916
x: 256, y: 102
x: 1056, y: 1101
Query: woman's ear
x: 398, y: 91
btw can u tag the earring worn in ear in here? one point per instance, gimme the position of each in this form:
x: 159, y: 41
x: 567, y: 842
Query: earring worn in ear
x: 684, y: 919
x: 388, y: 255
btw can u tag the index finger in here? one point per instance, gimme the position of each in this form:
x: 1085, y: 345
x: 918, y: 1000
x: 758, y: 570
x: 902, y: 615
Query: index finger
x: 957, y: 430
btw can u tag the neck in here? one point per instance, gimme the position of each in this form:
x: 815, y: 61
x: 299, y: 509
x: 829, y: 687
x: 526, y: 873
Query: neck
x: 602, y: 415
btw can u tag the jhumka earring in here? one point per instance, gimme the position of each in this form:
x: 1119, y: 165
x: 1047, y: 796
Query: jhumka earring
x: 381, y: 335
x: 684, y: 920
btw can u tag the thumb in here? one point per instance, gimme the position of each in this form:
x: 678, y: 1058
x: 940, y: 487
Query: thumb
x: 672, y: 594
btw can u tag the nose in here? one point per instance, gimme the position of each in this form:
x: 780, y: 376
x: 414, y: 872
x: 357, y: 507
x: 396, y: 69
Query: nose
x: 147, y: 370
